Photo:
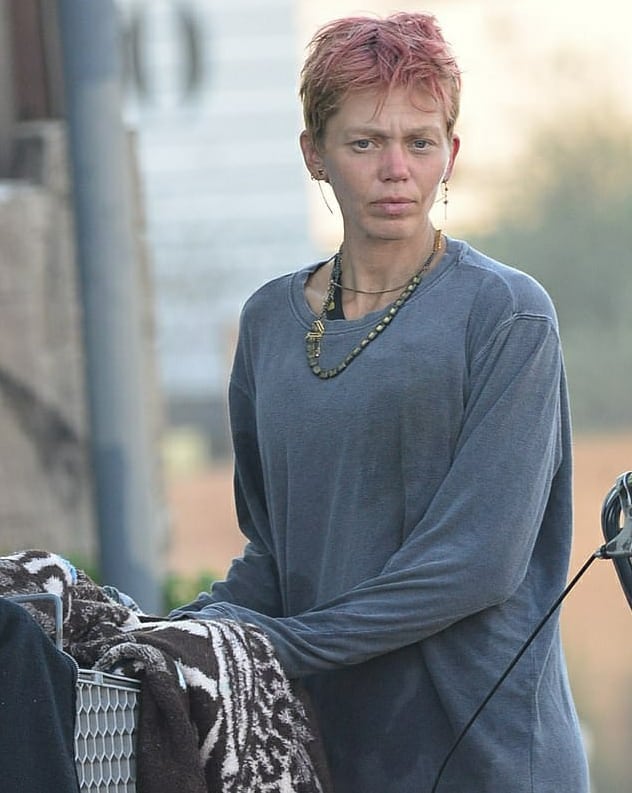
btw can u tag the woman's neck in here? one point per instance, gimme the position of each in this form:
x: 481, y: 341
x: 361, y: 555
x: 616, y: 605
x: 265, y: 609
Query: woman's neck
x: 381, y: 272
x: 373, y: 282
x: 382, y: 266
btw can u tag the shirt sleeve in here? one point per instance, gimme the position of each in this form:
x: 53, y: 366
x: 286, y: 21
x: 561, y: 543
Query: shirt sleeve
x: 471, y: 549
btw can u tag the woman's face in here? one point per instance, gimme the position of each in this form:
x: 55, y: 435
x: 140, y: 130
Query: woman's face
x: 385, y: 159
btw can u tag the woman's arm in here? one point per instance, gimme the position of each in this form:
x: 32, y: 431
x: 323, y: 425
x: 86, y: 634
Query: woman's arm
x: 472, y: 548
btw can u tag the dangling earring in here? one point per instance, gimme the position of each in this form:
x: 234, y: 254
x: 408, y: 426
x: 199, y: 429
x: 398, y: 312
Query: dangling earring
x: 320, y: 176
x: 444, y: 199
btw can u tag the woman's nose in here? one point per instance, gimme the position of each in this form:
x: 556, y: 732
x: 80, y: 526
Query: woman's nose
x: 394, y: 165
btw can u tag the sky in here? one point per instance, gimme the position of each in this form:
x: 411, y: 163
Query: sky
x: 524, y: 65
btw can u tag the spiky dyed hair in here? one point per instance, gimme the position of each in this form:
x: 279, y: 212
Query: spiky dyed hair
x: 359, y: 53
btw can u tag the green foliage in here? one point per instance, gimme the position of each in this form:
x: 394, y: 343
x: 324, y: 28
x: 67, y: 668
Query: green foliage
x: 179, y: 589
x: 568, y: 222
x: 88, y: 565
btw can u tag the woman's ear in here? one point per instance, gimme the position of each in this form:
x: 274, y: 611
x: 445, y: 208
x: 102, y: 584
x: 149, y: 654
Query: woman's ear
x: 455, y: 145
x: 312, y: 157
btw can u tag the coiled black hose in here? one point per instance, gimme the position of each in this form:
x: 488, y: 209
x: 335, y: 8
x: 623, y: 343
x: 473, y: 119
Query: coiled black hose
x: 616, y: 524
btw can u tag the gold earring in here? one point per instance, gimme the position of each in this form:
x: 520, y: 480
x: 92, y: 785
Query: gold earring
x: 444, y: 198
x: 324, y: 197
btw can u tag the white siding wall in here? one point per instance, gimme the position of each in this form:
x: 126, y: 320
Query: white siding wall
x: 224, y: 180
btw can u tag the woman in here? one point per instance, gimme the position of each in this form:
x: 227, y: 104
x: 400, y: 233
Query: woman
x: 402, y: 447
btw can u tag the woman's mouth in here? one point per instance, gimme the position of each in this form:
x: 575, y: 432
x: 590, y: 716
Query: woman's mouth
x: 393, y: 205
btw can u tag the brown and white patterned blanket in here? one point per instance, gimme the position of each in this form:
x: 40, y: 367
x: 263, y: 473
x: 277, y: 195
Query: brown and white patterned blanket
x: 217, y: 713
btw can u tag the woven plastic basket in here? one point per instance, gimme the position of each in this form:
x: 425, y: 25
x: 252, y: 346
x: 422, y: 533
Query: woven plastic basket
x: 106, y: 720
x: 105, y: 732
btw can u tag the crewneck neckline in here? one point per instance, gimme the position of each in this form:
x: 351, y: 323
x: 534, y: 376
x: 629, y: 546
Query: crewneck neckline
x: 302, y: 309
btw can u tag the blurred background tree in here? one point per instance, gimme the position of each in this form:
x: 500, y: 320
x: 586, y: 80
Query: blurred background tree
x: 566, y: 218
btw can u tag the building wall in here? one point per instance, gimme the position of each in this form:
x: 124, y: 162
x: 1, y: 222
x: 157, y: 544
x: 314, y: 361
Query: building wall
x: 45, y: 473
x: 212, y: 93
x: 6, y: 93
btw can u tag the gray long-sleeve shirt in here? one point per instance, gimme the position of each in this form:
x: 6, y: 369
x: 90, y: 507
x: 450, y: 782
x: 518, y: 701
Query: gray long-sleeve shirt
x: 408, y: 524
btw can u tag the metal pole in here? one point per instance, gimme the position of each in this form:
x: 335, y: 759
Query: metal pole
x: 99, y: 152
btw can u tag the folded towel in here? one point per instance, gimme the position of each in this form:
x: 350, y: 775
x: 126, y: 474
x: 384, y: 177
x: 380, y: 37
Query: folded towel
x: 217, y: 713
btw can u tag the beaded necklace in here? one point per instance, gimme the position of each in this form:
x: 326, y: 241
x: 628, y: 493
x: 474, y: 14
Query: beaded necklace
x: 313, y: 337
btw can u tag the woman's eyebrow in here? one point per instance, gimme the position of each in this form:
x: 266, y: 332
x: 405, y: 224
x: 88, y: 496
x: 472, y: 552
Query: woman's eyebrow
x: 367, y: 130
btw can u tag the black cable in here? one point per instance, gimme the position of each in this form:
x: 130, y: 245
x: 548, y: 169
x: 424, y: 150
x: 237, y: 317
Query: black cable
x: 521, y: 652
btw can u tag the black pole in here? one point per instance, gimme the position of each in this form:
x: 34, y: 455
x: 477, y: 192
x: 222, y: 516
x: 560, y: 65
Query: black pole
x: 127, y: 513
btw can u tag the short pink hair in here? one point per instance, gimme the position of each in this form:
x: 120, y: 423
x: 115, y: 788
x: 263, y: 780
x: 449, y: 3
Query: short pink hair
x: 359, y: 53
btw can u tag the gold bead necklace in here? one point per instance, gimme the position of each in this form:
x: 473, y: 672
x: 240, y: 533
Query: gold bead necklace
x: 313, y: 338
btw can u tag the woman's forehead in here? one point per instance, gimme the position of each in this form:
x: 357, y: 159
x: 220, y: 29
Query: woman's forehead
x: 375, y: 106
